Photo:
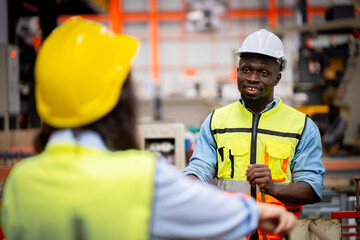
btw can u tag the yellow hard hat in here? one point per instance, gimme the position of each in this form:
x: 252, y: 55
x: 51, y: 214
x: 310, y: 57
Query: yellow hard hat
x: 79, y: 72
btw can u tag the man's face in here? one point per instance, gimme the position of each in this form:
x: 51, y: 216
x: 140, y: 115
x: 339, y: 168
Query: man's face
x: 256, y: 78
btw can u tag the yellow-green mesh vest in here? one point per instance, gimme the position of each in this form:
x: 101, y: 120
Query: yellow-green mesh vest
x: 270, y: 138
x: 71, y: 192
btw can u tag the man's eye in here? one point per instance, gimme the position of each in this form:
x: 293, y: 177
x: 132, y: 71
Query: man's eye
x: 264, y: 73
x: 246, y: 70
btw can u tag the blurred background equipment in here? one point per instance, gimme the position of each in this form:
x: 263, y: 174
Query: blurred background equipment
x: 28, y: 22
x: 165, y: 139
x: 203, y: 16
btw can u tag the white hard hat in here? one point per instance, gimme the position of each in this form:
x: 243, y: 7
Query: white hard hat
x: 265, y: 43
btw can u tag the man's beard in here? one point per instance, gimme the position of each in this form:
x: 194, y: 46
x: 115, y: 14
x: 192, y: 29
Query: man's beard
x: 251, y: 101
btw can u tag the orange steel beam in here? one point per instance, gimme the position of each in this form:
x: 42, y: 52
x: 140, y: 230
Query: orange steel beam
x: 145, y: 16
x: 171, y: 15
x: 120, y: 18
x: 318, y: 11
x: 95, y: 17
x: 308, y: 15
x: 348, y: 226
x: 345, y: 214
x: 244, y: 13
x: 349, y: 234
x: 136, y: 16
x: 341, y: 164
x: 247, y: 13
x: 154, y: 40
x: 115, y: 15
x: 273, y: 16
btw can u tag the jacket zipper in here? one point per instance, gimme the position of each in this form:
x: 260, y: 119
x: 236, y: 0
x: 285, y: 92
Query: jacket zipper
x: 255, y: 123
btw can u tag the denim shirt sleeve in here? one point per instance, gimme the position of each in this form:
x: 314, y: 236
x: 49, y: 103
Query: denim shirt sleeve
x: 184, y: 208
x: 306, y: 165
x: 203, y: 161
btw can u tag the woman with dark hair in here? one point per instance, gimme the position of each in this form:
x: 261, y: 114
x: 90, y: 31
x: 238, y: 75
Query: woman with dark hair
x: 89, y: 180
x: 115, y: 136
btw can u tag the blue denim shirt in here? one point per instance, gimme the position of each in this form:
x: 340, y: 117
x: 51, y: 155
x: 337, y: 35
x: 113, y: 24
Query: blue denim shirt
x: 305, y: 167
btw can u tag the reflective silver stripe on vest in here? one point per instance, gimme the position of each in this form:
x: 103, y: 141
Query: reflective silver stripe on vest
x: 235, y: 185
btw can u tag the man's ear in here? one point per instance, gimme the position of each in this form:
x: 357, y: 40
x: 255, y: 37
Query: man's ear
x: 278, y: 79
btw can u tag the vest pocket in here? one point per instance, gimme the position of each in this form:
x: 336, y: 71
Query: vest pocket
x: 239, y: 149
x: 277, y: 158
x: 224, y: 163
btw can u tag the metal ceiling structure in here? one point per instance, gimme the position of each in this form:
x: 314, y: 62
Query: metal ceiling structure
x: 57, y: 11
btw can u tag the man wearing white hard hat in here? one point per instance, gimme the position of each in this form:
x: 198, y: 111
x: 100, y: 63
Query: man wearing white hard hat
x: 259, y: 145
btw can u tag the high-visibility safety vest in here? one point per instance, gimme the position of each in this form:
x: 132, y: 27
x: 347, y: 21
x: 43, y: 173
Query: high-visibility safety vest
x: 72, y: 192
x: 242, y: 137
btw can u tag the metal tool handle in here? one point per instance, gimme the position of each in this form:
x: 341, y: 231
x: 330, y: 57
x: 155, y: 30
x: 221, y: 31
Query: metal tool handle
x: 263, y: 201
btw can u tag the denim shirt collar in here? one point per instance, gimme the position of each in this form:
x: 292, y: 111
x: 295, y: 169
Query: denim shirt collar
x: 88, y: 139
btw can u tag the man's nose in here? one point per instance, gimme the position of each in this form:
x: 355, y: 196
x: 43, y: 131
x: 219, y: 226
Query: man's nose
x: 253, y: 77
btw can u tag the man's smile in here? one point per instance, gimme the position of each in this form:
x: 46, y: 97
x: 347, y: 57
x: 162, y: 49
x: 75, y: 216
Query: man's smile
x: 251, y: 90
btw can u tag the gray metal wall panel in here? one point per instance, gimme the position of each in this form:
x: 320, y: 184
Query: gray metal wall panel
x: 170, y: 53
x: 170, y: 5
x: 198, y: 52
x: 3, y: 22
x: 13, y: 79
x: 3, y: 81
x: 135, y: 5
